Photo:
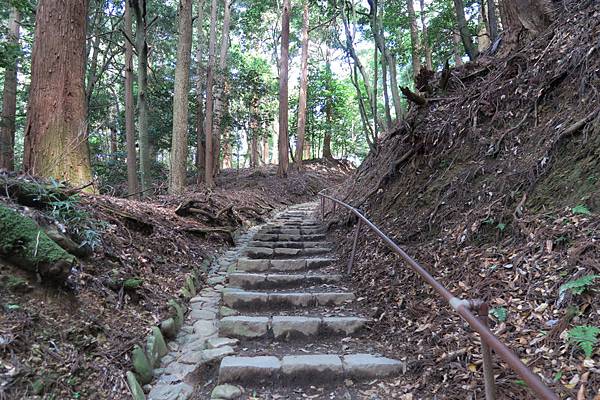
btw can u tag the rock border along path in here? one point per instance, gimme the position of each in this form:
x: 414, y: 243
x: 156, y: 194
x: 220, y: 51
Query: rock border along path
x: 276, y: 292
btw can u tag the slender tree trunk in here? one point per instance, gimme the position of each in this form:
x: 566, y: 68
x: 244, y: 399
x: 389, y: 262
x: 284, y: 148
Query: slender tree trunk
x: 327, y: 134
x: 132, y: 180
x: 457, y: 49
x: 200, y: 73
x: 253, y: 125
x: 208, y: 121
x: 492, y: 19
x: 283, y: 142
x: 414, y: 38
x: 465, y: 34
x: 386, y: 97
x: 141, y: 44
x: 9, y: 97
x: 265, y: 150
x: 483, y: 36
x: 221, y: 85
x: 179, y: 142
x: 425, y: 40
x: 55, y: 134
x: 394, y: 84
x: 303, y: 89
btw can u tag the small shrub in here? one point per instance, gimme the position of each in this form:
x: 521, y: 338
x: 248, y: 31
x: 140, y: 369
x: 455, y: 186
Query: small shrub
x: 499, y: 313
x: 578, y: 286
x: 585, y: 337
x: 581, y: 210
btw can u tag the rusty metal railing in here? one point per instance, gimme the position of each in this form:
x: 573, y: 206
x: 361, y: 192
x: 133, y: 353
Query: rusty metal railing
x: 464, y: 308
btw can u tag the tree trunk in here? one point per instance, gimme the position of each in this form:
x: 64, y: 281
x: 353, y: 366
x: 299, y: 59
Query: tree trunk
x: 141, y: 44
x: 425, y: 40
x: 414, y: 38
x: 283, y: 142
x: 327, y: 135
x: 265, y: 149
x: 55, y: 134
x: 226, y: 162
x: 386, y: 97
x: 179, y: 143
x: 200, y: 151
x: 303, y: 89
x: 465, y: 34
x: 9, y: 98
x: 492, y: 19
x: 208, y: 121
x: 533, y: 16
x: 483, y: 35
x: 394, y: 84
x: 132, y: 180
x: 221, y: 85
x: 457, y: 51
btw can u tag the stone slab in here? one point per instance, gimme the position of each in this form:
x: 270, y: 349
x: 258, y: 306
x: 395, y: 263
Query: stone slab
x: 333, y: 298
x: 300, y: 369
x: 343, y: 325
x: 367, y: 366
x: 244, y: 327
x: 290, y: 326
x: 243, y: 299
x: 248, y: 369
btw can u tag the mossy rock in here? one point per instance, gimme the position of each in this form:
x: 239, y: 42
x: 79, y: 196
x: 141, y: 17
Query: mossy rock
x: 152, y: 351
x: 169, y: 328
x: 190, y: 285
x: 159, y: 339
x: 141, y: 364
x: 37, y: 387
x: 177, y: 313
x: 26, y: 245
x: 185, y: 293
x: 15, y: 283
x: 132, y: 283
x: 137, y: 393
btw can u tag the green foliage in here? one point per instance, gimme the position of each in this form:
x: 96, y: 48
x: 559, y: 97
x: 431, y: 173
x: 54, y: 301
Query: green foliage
x: 585, y: 337
x: 501, y: 227
x: 499, y: 313
x: 581, y: 210
x: 578, y: 286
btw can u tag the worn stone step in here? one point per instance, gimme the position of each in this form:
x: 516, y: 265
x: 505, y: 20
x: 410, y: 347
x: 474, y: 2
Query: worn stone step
x: 244, y: 280
x: 293, y: 231
x: 240, y: 299
x: 292, y: 265
x: 289, y: 327
x: 290, y: 244
x: 300, y: 370
x: 284, y: 252
x: 265, y: 237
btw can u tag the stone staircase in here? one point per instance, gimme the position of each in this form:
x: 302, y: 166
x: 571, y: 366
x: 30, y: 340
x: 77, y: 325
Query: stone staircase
x: 282, y: 298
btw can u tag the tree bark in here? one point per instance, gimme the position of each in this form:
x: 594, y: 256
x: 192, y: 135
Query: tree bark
x: 9, y: 97
x: 141, y: 44
x: 483, y: 35
x: 200, y: 150
x: 283, y: 141
x: 179, y: 143
x: 492, y: 19
x: 254, y: 132
x: 327, y: 135
x: 303, y: 90
x: 208, y: 121
x: 414, y: 38
x: 132, y: 180
x: 457, y: 52
x: 386, y: 96
x: 533, y: 16
x: 221, y: 86
x: 394, y: 84
x: 425, y: 40
x: 465, y: 34
x: 55, y: 134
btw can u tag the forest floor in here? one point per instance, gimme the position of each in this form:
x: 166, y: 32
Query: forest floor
x: 74, y: 342
x: 493, y: 187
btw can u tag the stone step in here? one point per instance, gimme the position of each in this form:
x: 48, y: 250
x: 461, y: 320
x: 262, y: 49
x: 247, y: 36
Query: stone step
x: 289, y: 327
x: 295, y: 265
x: 278, y: 281
x: 266, y: 237
x: 292, y: 231
x: 289, y: 245
x: 241, y: 299
x: 300, y: 370
x: 284, y: 252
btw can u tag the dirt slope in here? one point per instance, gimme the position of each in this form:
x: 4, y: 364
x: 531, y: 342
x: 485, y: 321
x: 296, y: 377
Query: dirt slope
x: 493, y: 185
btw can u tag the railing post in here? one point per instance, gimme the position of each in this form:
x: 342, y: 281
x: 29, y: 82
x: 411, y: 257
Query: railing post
x: 488, y: 363
x: 351, y: 261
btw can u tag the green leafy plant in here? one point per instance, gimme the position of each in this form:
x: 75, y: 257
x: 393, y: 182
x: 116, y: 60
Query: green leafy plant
x: 501, y: 227
x: 581, y: 210
x: 578, y: 286
x: 499, y: 313
x: 584, y: 336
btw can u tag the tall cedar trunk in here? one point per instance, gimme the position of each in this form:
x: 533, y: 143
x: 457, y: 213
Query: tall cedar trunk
x: 9, y: 97
x: 457, y: 49
x: 265, y: 150
x: 465, y: 34
x: 533, y: 16
x: 327, y: 135
x: 414, y: 38
x: 492, y: 19
x: 179, y: 143
x: 132, y: 180
x: 200, y: 151
x: 208, y: 118
x: 141, y: 44
x: 55, y: 134
x: 386, y: 97
x: 483, y: 35
x: 226, y: 162
x: 425, y: 40
x: 303, y: 90
x: 283, y: 142
x: 221, y: 91
x: 375, y: 75
x: 394, y: 85
x: 254, y: 132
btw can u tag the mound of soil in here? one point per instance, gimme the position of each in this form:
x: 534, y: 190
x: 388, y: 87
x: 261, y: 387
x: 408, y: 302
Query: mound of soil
x: 74, y: 342
x: 493, y: 186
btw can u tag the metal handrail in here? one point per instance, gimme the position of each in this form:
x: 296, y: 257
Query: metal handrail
x: 462, y: 307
